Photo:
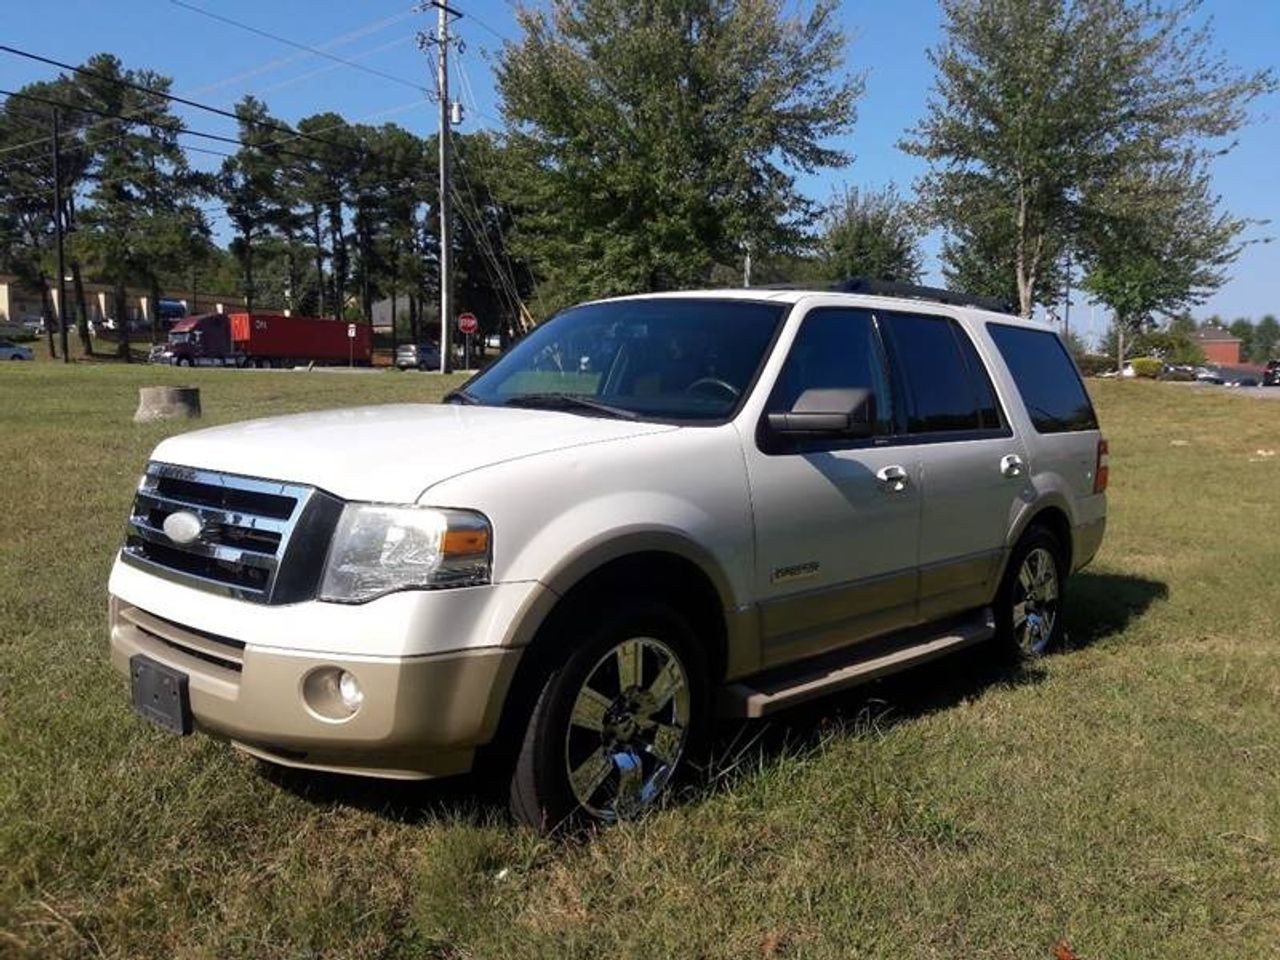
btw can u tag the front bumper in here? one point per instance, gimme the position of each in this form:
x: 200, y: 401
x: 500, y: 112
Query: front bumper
x: 422, y: 716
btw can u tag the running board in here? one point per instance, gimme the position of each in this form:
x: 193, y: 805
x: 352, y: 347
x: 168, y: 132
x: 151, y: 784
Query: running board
x: 786, y: 686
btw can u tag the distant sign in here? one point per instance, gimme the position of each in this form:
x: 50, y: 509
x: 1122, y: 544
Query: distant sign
x: 351, y: 331
x: 467, y: 323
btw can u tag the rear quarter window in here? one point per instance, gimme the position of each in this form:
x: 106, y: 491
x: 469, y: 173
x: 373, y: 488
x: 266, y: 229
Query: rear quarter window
x: 1047, y: 380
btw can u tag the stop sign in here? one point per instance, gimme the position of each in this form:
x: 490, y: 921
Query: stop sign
x: 467, y: 323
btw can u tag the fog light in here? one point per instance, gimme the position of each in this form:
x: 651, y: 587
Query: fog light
x: 349, y: 690
x: 332, y: 693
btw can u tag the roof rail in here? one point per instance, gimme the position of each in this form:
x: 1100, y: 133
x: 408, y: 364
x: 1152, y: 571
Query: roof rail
x: 895, y: 288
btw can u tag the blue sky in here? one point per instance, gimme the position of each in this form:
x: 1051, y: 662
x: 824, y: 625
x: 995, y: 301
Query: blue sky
x: 217, y: 63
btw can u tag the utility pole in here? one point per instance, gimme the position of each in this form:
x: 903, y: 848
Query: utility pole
x: 57, y: 226
x: 441, y: 41
x: 446, y: 231
x: 446, y: 226
x: 746, y: 266
x: 1066, y: 310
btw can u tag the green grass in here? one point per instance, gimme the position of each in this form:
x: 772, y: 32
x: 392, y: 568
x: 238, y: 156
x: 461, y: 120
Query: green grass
x: 1123, y: 796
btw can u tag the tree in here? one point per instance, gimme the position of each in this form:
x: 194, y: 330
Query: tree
x: 493, y: 283
x: 1040, y: 105
x: 1157, y: 243
x: 871, y: 234
x: 979, y: 257
x: 27, y: 188
x: 26, y: 195
x: 1266, y: 339
x: 1242, y: 329
x: 658, y: 139
x: 141, y: 202
x: 1170, y: 344
x: 320, y: 183
x: 251, y: 186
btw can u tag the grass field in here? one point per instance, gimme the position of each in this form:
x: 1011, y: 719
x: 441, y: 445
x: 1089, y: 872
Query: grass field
x: 1122, y: 796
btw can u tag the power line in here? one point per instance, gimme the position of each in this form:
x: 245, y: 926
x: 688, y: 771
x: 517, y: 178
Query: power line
x: 469, y: 92
x: 299, y: 46
x: 173, y: 98
x: 360, y: 31
x: 178, y: 127
x: 333, y: 66
x: 363, y: 30
x: 488, y: 257
x: 480, y: 23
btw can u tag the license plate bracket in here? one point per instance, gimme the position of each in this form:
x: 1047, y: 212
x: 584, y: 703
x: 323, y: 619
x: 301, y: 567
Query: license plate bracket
x: 160, y: 694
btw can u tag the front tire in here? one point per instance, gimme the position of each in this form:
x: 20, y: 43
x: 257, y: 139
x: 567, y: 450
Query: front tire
x: 617, y: 723
x: 1028, y: 608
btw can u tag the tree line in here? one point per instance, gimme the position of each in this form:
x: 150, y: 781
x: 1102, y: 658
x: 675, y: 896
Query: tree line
x: 657, y: 146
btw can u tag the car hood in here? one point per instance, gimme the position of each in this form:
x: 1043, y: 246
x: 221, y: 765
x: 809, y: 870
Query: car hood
x: 391, y: 453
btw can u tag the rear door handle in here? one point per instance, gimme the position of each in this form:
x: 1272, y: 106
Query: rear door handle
x: 893, y: 477
x: 1011, y: 465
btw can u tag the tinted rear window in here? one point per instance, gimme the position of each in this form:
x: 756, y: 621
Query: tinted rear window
x: 1051, y: 388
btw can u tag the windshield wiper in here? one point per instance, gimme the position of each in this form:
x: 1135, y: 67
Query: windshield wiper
x: 459, y: 396
x: 568, y: 402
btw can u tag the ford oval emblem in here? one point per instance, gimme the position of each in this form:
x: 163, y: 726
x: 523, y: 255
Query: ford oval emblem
x: 183, y: 527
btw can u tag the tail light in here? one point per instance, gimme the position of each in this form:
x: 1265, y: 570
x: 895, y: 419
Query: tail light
x: 1102, y: 469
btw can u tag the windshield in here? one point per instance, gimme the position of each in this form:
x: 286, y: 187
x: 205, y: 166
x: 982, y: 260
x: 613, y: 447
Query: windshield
x: 669, y: 359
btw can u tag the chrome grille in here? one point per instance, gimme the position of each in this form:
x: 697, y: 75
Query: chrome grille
x: 258, y: 540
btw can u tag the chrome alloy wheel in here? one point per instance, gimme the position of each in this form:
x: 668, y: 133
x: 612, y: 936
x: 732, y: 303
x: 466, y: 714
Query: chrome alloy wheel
x: 1035, y: 606
x: 628, y: 728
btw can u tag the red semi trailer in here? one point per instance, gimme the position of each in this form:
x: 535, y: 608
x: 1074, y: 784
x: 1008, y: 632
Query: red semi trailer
x: 272, y: 339
x: 266, y: 340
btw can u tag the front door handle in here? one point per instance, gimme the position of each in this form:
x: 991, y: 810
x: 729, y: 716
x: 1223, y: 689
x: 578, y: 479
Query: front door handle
x: 1011, y: 465
x: 893, y: 477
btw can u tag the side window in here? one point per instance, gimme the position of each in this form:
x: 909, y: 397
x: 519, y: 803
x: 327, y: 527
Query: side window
x: 988, y: 405
x: 1046, y: 378
x: 835, y: 348
x: 943, y: 393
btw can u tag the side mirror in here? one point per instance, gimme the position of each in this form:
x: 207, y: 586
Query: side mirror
x: 850, y: 414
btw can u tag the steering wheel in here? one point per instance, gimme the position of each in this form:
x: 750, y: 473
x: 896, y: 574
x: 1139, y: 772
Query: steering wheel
x: 715, y: 382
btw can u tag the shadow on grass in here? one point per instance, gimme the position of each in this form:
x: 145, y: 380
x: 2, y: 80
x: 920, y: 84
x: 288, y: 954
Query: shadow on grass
x: 1099, y: 606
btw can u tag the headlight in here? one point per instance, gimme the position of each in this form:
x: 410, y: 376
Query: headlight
x: 378, y: 549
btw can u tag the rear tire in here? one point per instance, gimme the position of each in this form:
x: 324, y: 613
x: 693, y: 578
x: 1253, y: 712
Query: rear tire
x: 617, y: 722
x: 1028, y: 608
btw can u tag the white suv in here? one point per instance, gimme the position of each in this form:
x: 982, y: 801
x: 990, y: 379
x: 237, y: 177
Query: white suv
x: 651, y: 511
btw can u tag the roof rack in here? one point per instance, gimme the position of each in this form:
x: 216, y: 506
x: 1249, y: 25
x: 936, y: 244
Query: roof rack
x: 895, y: 288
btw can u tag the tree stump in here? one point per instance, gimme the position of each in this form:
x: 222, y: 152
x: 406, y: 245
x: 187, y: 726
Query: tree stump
x: 167, y: 403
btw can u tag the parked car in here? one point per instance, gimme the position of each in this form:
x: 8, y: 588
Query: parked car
x: 1271, y: 374
x: 15, y: 351
x: 420, y: 356
x: 1209, y: 375
x: 1178, y: 373
x: 1241, y: 380
x: 747, y: 500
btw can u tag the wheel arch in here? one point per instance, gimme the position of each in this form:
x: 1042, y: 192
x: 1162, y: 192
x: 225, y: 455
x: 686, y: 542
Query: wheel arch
x: 1052, y: 515
x: 643, y: 563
